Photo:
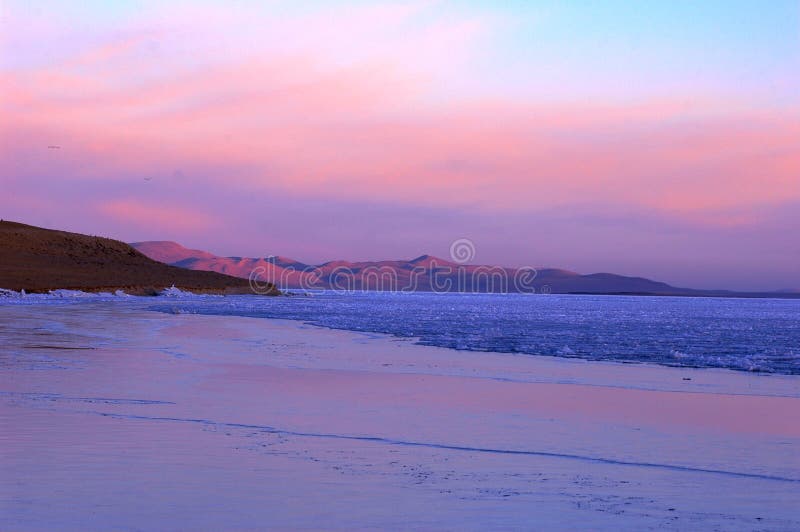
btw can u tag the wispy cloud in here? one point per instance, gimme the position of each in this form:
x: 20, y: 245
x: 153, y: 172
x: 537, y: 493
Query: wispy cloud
x: 149, y: 215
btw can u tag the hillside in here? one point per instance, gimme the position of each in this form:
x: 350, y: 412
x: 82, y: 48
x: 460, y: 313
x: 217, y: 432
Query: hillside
x: 36, y: 260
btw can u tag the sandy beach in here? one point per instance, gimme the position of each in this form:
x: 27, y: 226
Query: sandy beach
x: 113, y: 417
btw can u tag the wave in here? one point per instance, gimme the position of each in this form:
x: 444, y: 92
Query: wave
x: 757, y: 336
x: 454, y: 447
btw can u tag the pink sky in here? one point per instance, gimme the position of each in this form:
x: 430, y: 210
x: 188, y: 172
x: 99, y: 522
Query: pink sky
x: 379, y: 131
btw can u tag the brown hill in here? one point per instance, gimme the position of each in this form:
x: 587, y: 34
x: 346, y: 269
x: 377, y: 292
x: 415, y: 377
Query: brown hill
x: 37, y: 260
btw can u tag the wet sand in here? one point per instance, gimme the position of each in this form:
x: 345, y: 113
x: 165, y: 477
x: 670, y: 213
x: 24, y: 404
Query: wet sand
x: 112, y: 417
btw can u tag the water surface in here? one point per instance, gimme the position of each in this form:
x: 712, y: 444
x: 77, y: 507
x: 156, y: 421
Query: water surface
x: 760, y: 335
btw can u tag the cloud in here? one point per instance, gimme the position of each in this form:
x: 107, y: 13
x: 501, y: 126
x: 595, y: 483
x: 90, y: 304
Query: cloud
x: 361, y: 132
x: 154, y: 216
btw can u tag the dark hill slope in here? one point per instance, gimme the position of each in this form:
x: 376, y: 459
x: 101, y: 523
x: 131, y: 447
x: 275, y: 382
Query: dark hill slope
x: 36, y: 259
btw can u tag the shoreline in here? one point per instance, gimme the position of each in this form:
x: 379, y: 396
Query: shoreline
x: 788, y: 381
x: 415, y: 340
x: 597, y: 371
x: 745, y: 364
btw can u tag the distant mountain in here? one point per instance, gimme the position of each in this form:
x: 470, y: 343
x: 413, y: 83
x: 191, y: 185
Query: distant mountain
x: 424, y: 273
x: 36, y: 259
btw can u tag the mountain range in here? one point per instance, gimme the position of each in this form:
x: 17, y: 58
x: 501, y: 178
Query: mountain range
x: 38, y: 259
x: 424, y: 273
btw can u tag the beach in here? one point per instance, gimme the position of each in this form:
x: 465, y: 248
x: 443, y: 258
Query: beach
x: 114, y: 417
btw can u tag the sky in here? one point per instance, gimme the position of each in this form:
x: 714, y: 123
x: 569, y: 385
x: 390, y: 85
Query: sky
x: 658, y: 139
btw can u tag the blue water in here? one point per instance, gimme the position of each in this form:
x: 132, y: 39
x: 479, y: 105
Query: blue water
x: 740, y: 334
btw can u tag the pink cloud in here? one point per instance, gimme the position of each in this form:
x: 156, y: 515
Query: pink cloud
x: 155, y: 216
x: 361, y: 132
